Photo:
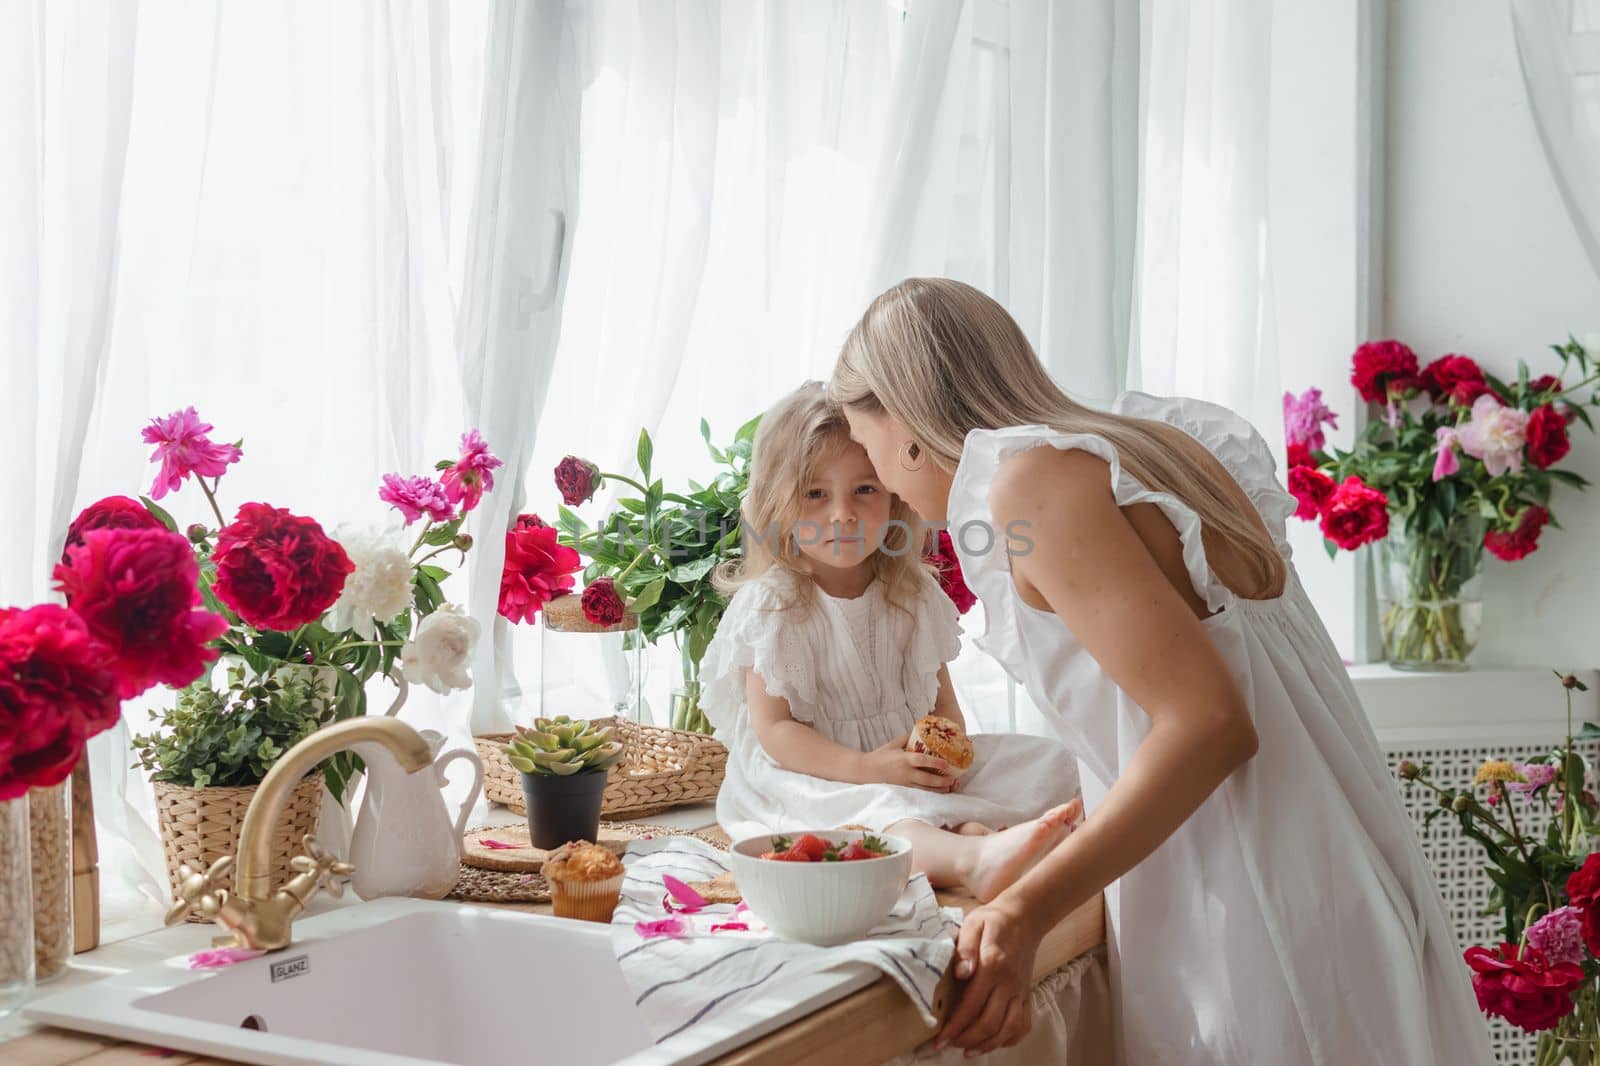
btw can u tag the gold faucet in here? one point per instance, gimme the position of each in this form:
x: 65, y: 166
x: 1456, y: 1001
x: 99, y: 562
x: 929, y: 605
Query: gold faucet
x: 255, y: 915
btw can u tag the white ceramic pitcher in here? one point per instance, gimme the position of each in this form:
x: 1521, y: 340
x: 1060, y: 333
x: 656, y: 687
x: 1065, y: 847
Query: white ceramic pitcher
x: 405, y: 843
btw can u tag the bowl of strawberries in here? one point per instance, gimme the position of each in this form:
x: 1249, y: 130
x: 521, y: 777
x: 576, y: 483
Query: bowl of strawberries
x: 826, y: 886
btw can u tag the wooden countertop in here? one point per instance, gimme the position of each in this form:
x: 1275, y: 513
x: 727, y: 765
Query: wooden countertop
x: 871, y: 1025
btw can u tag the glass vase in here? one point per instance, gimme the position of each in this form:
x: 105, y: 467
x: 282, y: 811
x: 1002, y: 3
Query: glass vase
x: 1575, y: 1040
x: 589, y: 672
x: 1430, y: 602
x: 16, y: 906
x: 50, y: 844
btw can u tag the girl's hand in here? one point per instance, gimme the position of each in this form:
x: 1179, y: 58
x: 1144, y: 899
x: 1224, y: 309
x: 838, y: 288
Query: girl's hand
x: 892, y: 764
x: 994, y: 961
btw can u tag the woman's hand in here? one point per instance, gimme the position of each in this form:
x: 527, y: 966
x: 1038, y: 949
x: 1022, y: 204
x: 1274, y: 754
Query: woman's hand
x: 892, y: 764
x: 994, y: 961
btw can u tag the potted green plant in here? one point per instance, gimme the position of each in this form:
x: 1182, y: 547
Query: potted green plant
x: 563, y: 764
x: 660, y: 549
x: 215, y: 748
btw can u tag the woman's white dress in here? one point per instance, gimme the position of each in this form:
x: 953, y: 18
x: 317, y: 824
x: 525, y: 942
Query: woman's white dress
x: 860, y: 672
x: 1294, y: 918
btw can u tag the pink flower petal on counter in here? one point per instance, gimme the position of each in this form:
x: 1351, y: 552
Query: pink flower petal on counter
x: 673, y: 927
x: 498, y: 845
x: 690, y: 899
x: 731, y: 927
x: 220, y: 957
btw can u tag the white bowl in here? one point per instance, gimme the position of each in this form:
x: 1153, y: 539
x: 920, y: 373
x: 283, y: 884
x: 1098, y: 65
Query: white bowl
x: 824, y: 903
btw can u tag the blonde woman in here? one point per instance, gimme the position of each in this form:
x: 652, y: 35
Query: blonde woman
x: 1268, y: 899
x: 831, y: 648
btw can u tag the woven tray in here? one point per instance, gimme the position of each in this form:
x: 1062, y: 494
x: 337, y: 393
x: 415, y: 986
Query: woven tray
x: 522, y: 857
x: 662, y: 768
x: 508, y: 886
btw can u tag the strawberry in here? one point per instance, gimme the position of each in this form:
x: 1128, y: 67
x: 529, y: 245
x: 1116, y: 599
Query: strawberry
x: 854, y: 852
x: 810, y: 848
x: 784, y: 856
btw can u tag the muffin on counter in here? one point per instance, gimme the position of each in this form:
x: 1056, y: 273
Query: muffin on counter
x: 585, y: 881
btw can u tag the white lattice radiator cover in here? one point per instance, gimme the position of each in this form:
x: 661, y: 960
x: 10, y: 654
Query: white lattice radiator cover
x: 1458, y: 862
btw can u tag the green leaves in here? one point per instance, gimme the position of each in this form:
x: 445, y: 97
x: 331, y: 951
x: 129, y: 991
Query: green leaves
x: 646, y: 451
x: 161, y: 515
x: 440, y: 535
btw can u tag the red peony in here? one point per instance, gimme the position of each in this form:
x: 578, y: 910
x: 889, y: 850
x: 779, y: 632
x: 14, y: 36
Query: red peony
x: 1312, y: 488
x: 577, y: 479
x: 948, y: 564
x: 1523, y: 988
x: 55, y: 693
x: 1547, y: 437
x: 528, y: 521
x: 1583, y: 892
x: 1379, y: 366
x: 536, y: 569
x: 1355, y: 515
x: 1456, y: 377
x: 1546, y: 383
x: 278, y: 570
x: 113, y: 512
x: 1523, y: 539
x: 138, y: 591
x: 601, y: 604
x: 1300, y: 455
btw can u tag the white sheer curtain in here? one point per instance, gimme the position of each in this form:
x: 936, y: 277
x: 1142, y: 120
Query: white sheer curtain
x: 1259, y: 150
x: 283, y: 246
x: 1560, y: 57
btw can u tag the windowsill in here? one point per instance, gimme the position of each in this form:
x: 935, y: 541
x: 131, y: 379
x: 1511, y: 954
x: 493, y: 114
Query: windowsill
x: 1505, y: 705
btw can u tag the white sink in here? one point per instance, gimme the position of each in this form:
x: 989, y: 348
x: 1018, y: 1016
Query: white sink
x: 408, y: 981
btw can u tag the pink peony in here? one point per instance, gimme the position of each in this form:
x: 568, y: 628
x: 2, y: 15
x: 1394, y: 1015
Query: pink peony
x: 537, y: 568
x: 1495, y: 434
x: 183, y: 448
x: 1303, y: 419
x: 416, y: 496
x: 1446, y: 463
x: 138, y: 591
x: 472, y: 475
x: 1535, y: 775
x: 1559, y: 935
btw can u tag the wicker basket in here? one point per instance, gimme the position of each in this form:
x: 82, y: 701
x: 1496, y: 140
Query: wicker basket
x: 662, y: 768
x: 200, y: 825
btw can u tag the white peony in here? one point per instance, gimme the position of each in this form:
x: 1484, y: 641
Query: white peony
x: 380, y: 586
x: 439, y: 653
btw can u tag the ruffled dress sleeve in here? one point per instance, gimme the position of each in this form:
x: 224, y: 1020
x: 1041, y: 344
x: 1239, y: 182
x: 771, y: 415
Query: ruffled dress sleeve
x: 760, y: 629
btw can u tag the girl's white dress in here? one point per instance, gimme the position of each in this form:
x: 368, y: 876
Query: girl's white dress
x: 860, y: 672
x: 1294, y: 918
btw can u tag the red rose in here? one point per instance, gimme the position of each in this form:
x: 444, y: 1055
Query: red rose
x: 1300, y: 455
x: 601, y: 604
x: 1355, y: 515
x: 1446, y: 374
x: 537, y: 569
x: 278, y: 570
x: 55, y: 693
x: 1583, y: 892
x: 948, y: 564
x: 1312, y: 488
x: 1523, y: 988
x: 1546, y: 383
x: 577, y: 479
x: 1547, y: 437
x: 1379, y: 366
x: 138, y: 591
x: 1523, y: 538
x: 113, y: 512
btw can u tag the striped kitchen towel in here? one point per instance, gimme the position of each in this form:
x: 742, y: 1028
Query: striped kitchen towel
x: 696, y: 967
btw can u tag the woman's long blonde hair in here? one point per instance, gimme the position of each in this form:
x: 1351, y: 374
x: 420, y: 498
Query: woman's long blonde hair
x: 800, y: 432
x: 943, y: 359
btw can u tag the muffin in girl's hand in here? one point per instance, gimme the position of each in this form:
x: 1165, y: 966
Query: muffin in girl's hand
x: 943, y: 738
x: 585, y: 881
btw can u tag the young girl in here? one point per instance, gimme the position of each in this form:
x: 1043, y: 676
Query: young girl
x: 831, y: 648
